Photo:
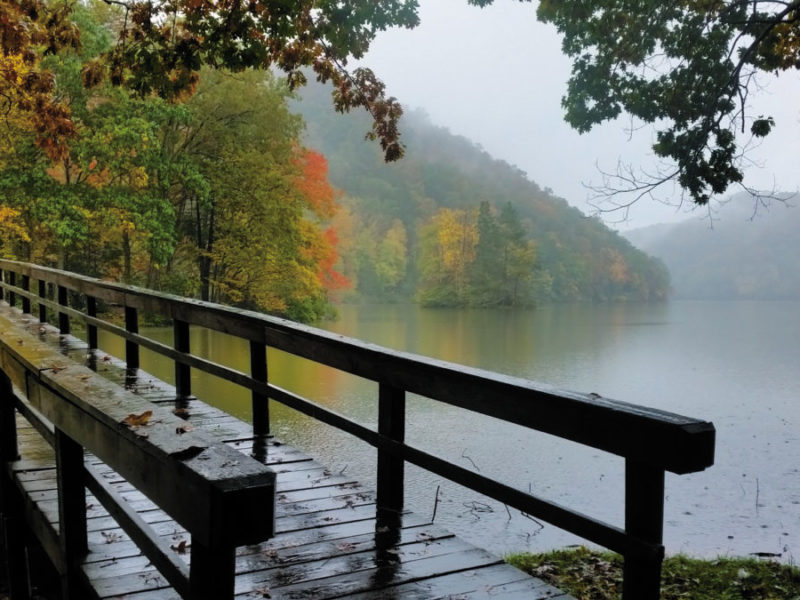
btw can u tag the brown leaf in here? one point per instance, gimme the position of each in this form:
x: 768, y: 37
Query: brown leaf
x: 180, y: 547
x: 133, y: 420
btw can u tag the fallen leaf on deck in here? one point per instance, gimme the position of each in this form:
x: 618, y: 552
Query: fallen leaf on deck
x: 183, y: 428
x: 110, y: 537
x: 181, y: 547
x: 133, y: 420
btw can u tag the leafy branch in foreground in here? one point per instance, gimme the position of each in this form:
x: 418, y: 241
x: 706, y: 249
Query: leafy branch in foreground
x: 687, y: 67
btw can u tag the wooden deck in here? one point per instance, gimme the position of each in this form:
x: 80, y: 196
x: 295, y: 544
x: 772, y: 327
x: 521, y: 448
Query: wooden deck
x: 330, y: 541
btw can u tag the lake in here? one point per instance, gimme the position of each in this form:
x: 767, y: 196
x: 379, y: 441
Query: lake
x: 734, y: 363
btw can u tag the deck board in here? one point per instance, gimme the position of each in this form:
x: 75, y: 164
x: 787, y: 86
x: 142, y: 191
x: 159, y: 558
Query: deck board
x: 328, y: 541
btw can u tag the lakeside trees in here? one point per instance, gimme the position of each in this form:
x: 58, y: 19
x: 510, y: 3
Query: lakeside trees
x: 215, y: 197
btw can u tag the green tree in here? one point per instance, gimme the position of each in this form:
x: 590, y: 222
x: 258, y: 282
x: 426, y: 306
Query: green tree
x: 686, y: 66
x: 391, y: 259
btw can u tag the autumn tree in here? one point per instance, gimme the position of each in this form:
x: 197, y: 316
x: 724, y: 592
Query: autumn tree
x: 252, y: 205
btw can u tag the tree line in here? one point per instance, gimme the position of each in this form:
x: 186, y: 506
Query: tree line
x: 213, y: 197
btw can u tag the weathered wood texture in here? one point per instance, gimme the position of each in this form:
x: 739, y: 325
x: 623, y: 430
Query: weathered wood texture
x: 650, y: 441
x: 223, y: 498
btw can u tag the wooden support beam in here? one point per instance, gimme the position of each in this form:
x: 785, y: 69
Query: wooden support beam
x: 391, y: 468
x: 26, y: 301
x: 131, y: 348
x: 42, y: 306
x: 644, y: 519
x: 11, y: 278
x: 91, y: 330
x: 183, y: 373
x: 258, y: 371
x: 212, y: 571
x: 63, y: 318
x: 71, y: 511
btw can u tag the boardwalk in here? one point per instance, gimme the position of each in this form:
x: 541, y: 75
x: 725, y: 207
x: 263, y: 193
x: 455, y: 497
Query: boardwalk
x: 327, y: 536
x: 328, y: 542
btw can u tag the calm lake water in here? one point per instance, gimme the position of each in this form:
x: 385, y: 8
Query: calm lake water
x: 734, y: 363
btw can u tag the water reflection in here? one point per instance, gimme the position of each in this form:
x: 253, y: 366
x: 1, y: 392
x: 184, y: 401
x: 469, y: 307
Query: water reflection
x: 733, y: 363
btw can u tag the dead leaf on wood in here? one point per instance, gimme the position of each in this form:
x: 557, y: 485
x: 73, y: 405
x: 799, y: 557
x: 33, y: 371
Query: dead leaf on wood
x: 56, y: 368
x: 85, y: 377
x: 181, y: 547
x: 110, y: 537
x: 183, y: 428
x: 133, y: 420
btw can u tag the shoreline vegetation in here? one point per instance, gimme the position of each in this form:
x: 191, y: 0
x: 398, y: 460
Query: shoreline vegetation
x: 594, y: 575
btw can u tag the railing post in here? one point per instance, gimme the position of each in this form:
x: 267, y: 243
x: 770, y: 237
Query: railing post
x: 183, y: 374
x: 644, y: 519
x: 11, y: 278
x: 71, y: 511
x: 63, y: 318
x: 212, y: 572
x: 8, y: 422
x: 258, y: 371
x: 43, y: 295
x: 13, y: 557
x: 392, y: 424
x: 131, y: 347
x: 26, y: 301
x: 91, y: 330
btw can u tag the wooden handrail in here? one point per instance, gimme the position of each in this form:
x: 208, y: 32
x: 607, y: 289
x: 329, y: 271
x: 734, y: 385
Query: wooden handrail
x: 651, y: 441
x: 223, y: 498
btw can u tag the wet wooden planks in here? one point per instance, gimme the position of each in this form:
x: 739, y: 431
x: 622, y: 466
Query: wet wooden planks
x: 329, y: 542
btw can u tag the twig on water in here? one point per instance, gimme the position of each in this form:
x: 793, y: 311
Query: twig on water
x: 464, y: 455
x: 435, y: 504
x: 527, y: 516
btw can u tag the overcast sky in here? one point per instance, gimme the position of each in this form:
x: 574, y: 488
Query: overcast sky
x: 496, y: 75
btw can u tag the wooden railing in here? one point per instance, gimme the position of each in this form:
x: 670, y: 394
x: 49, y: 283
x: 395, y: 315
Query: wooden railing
x: 223, y: 498
x: 650, y: 441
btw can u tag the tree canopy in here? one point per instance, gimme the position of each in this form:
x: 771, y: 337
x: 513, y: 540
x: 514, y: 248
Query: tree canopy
x: 686, y: 65
x: 162, y: 45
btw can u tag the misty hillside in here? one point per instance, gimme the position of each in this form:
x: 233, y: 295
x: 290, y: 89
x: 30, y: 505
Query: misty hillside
x: 741, y: 254
x: 394, y: 214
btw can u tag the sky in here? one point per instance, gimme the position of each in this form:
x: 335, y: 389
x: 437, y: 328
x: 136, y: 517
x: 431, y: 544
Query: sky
x: 496, y: 76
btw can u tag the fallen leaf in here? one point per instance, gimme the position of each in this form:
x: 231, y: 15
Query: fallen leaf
x: 110, y: 537
x: 183, y: 428
x: 133, y: 420
x: 181, y: 547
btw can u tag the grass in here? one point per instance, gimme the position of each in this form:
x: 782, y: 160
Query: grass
x: 591, y: 575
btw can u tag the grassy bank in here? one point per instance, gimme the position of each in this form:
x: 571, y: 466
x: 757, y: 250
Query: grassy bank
x: 590, y: 575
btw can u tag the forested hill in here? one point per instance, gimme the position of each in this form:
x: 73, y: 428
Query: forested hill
x: 450, y: 225
x: 740, y: 254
